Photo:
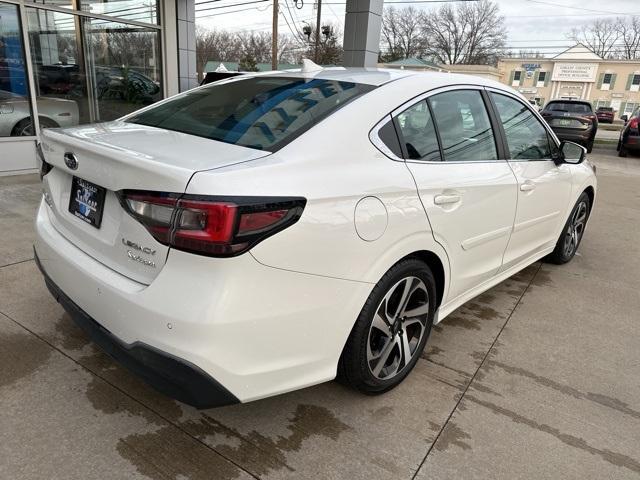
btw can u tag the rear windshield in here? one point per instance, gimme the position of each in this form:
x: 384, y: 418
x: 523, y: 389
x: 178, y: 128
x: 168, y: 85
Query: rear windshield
x: 569, y: 107
x: 605, y: 109
x: 264, y: 113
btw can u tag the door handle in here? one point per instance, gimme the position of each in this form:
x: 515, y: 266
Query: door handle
x: 446, y: 199
x: 527, y: 186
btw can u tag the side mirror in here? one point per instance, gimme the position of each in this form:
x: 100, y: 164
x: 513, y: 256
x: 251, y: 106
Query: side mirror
x: 624, y: 118
x: 571, y: 152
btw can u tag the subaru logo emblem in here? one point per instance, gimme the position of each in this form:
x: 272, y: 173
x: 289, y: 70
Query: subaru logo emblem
x: 71, y: 160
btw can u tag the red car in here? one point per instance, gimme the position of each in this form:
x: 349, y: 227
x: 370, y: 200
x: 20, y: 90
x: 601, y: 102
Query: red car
x: 605, y: 114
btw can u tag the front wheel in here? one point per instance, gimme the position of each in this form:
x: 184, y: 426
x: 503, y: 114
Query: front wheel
x: 573, y: 232
x: 391, y: 330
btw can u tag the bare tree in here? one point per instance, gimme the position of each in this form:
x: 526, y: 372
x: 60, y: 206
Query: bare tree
x: 629, y: 31
x: 599, y: 36
x: 401, y: 35
x: 215, y: 45
x: 471, y: 33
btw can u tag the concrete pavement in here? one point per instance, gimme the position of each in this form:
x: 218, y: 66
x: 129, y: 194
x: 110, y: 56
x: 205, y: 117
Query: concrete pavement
x: 537, y: 378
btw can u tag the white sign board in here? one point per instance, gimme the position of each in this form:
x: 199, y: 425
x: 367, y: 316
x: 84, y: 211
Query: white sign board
x: 574, y: 72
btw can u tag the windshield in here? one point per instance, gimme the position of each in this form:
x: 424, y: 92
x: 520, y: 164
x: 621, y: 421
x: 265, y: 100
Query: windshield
x: 605, y: 109
x: 569, y: 107
x: 264, y: 113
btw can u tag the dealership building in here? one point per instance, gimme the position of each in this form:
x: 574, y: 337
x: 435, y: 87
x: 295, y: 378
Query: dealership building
x: 71, y: 62
x: 576, y: 73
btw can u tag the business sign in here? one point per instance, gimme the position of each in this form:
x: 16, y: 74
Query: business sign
x: 574, y: 72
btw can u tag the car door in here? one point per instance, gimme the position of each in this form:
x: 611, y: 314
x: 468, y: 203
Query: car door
x: 544, y: 188
x: 469, y: 194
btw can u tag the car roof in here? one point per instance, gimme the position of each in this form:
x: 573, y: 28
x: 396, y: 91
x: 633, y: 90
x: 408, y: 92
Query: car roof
x: 380, y: 76
x: 560, y: 100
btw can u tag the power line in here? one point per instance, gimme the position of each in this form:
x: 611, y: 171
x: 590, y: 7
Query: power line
x: 560, y: 5
x: 234, y: 5
x: 262, y: 9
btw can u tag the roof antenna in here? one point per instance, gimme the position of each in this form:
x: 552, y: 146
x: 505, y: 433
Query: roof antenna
x: 309, y: 66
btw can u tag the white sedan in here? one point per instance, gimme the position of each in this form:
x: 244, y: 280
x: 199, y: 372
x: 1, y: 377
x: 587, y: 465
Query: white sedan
x: 273, y: 231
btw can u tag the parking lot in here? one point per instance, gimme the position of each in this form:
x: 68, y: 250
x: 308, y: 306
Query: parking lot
x: 537, y: 378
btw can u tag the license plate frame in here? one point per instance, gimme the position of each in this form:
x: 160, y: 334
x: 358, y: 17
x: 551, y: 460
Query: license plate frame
x: 86, y: 201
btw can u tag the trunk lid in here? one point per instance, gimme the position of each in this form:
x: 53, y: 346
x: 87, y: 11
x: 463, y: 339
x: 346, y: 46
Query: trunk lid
x: 118, y: 156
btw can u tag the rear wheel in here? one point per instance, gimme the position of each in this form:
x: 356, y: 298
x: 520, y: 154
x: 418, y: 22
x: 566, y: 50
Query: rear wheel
x: 26, y: 127
x: 572, y: 233
x: 589, y: 145
x: 622, y: 152
x: 391, y: 330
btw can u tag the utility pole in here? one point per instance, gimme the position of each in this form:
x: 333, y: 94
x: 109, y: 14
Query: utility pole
x: 315, y: 55
x: 274, y: 37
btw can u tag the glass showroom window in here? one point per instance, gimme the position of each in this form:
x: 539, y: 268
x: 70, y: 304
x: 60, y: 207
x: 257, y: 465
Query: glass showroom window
x: 58, y: 69
x: 15, y: 107
x: 139, y: 11
x: 125, y: 67
x: 93, y: 69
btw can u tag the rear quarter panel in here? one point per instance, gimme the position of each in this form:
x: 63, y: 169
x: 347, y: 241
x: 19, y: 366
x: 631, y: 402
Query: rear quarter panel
x: 334, y: 166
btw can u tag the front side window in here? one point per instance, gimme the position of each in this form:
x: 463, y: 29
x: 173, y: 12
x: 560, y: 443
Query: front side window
x: 264, y: 113
x: 418, y: 133
x: 526, y: 137
x: 464, y: 127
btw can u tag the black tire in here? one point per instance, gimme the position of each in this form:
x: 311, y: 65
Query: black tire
x: 589, y: 146
x: 358, y: 361
x: 25, y: 126
x: 571, y: 235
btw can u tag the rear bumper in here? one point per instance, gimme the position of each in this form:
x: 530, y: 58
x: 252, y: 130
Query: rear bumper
x: 578, y: 136
x: 631, y: 142
x: 256, y: 331
x: 170, y: 375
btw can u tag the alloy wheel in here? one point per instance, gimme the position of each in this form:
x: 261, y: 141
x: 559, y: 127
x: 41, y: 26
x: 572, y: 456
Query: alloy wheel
x: 575, y: 229
x: 398, y: 327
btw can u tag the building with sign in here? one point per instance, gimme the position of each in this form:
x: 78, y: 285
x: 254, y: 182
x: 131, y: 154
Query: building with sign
x: 576, y: 73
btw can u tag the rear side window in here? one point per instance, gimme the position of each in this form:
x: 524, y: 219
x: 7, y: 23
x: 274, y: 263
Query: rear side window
x: 569, y: 107
x: 264, y: 113
x: 526, y: 137
x: 389, y: 137
x: 464, y: 127
x: 418, y: 133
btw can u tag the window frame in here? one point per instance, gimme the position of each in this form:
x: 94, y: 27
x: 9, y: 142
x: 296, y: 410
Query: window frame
x: 494, y: 120
x: 555, y: 143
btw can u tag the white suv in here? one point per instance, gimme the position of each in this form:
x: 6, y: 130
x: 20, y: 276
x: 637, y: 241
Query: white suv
x: 269, y: 232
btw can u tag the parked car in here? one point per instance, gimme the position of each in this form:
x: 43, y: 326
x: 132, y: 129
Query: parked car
x: 630, y: 134
x: 274, y: 231
x: 605, y: 114
x: 16, y: 119
x: 572, y: 120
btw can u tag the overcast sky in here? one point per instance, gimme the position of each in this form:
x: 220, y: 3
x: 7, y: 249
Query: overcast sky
x: 530, y: 24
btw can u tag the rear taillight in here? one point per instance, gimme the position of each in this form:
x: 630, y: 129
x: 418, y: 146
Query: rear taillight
x: 214, y: 226
x: 633, y: 123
